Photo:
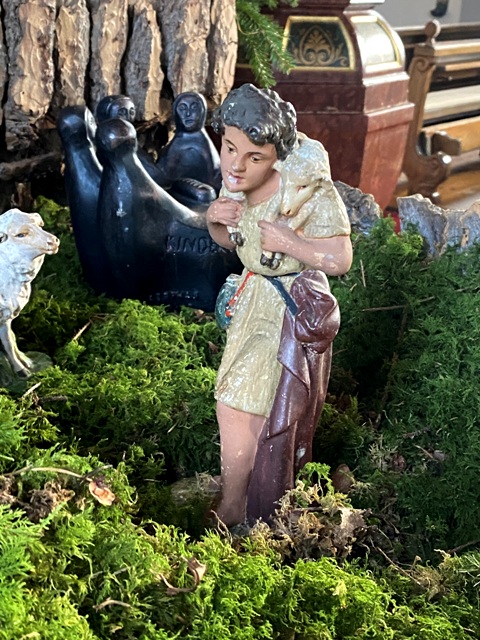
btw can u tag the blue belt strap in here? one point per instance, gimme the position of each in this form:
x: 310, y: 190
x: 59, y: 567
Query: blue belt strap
x: 287, y: 298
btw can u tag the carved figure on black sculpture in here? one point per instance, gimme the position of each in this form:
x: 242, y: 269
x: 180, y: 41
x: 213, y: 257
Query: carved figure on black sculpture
x: 181, y: 181
x: 191, y: 153
x: 158, y: 250
x: 120, y: 106
x: 76, y: 127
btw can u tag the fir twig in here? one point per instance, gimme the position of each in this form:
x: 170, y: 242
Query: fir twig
x: 267, y: 53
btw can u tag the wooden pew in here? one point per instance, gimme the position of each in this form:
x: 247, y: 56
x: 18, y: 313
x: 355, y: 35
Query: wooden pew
x: 445, y: 89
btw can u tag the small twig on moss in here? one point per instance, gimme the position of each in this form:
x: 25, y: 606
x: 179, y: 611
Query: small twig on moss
x: 31, y: 390
x: 399, y: 569
x: 108, y: 602
x: 66, y: 472
x: 394, y: 307
x: 462, y: 546
x: 48, y: 469
x: 80, y: 331
x: 362, y: 270
x: 53, y: 399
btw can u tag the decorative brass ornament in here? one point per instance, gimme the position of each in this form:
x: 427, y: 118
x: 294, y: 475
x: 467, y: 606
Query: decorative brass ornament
x: 319, y: 44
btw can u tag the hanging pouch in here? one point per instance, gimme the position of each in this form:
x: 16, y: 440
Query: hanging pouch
x: 227, y: 297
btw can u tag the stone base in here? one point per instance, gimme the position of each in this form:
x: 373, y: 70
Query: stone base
x: 12, y: 381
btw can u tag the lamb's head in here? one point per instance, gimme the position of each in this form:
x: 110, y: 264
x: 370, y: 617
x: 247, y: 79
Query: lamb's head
x: 22, y: 237
x: 305, y: 171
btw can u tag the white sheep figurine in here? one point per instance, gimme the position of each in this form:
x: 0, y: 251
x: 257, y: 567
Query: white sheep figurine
x: 305, y: 180
x: 23, y: 245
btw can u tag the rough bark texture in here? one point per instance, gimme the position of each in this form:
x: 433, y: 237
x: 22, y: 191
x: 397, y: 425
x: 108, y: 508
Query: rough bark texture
x: 3, y: 69
x: 72, y: 29
x: 109, y: 41
x: 143, y: 72
x: 57, y: 53
x: 185, y: 29
x: 222, y: 47
x: 29, y: 29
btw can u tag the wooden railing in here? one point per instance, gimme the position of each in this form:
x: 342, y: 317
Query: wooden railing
x: 445, y: 89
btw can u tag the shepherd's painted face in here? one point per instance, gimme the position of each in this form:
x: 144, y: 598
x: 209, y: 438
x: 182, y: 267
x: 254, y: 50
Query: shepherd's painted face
x: 190, y: 113
x: 246, y: 166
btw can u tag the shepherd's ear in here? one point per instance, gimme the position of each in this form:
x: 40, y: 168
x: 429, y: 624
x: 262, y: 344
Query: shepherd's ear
x: 3, y: 237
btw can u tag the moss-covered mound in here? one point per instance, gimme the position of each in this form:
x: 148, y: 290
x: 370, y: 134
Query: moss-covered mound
x: 92, y: 545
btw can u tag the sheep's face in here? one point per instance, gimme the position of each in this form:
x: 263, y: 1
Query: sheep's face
x: 305, y: 171
x: 21, y: 235
x: 296, y: 192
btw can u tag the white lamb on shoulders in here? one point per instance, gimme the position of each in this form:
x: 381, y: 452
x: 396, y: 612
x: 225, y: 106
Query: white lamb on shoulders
x: 23, y: 246
x: 306, y: 186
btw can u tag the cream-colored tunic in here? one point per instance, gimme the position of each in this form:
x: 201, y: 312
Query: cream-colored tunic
x: 249, y: 372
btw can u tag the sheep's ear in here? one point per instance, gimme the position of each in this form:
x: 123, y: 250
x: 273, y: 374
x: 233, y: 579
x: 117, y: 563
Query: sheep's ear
x: 3, y: 237
x: 37, y: 218
x: 278, y: 165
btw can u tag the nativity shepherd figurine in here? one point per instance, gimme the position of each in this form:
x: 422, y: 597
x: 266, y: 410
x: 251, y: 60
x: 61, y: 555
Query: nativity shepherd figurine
x: 23, y: 246
x: 273, y: 377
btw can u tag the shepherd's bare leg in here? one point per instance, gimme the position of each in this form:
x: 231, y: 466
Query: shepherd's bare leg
x: 239, y: 434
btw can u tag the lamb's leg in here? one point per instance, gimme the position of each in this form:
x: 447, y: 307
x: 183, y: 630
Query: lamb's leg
x: 235, y: 236
x: 19, y: 361
x: 272, y: 260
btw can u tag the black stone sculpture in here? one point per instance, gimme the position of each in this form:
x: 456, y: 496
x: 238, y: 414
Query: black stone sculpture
x: 157, y: 249
x: 76, y: 127
x: 189, y: 170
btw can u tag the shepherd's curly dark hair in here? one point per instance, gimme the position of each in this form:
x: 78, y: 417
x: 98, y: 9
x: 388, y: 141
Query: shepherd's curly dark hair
x: 261, y: 114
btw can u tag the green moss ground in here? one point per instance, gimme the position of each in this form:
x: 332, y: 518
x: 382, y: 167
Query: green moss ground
x: 128, y: 408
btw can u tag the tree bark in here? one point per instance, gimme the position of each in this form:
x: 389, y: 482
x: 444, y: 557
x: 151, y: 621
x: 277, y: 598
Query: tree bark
x: 29, y: 29
x: 109, y: 41
x: 58, y: 53
x: 185, y: 28
x: 143, y: 71
x: 72, y: 44
x: 222, y: 47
